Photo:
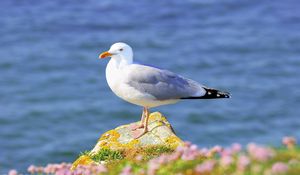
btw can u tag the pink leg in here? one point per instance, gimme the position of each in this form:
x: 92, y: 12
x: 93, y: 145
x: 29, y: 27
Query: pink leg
x: 138, y: 134
x: 141, y: 125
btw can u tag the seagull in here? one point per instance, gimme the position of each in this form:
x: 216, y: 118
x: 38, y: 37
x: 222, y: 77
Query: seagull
x: 148, y: 86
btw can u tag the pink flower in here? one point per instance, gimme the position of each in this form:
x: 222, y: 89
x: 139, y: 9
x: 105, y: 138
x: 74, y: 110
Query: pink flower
x: 174, y: 156
x: 190, y: 152
x: 226, y: 152
x: 162, y: 159
x: 101, y: 169
x: 127, y: 170
x: 187, y: 144
x: 204, y: 152
x: 212, y: 151
x: 226, y: 161
x: 194, y: 147
x: 95, y: 168
x: 78, y: 171
x: 205, y: 167
x: 47, y: 170
x: 251, y: 147
x: 13, y: 172
x: 64, y: 172
x: 236, y: 147
x: 187, y: 157
x: 180, y: 149
x: 289, y: 142
x: 260, y: 153
x: 153, y: 166
x: 217, y: 149
x: 243, y: 162
x: 279, y: 168
x: 31, y: 169
x: 139, y: 158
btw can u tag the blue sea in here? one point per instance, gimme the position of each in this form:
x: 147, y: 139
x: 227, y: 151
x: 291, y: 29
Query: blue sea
x: 55, y: 102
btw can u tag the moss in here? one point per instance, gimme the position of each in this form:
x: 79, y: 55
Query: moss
x: 107, y: 155
x: 155, y: 151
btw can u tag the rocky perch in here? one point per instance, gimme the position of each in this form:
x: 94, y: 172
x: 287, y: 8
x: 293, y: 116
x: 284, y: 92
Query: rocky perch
x: 160, y: 133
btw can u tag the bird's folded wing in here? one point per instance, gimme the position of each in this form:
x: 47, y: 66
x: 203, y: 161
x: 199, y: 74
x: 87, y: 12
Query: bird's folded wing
x: 162, y: 84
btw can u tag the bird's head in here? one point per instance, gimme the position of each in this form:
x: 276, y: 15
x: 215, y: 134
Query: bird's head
x: 118, y: 50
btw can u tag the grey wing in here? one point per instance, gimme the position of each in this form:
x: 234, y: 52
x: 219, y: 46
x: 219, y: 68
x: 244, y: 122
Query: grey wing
x: 162, y: 84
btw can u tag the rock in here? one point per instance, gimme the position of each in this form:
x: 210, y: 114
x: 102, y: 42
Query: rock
x: 160, y: 133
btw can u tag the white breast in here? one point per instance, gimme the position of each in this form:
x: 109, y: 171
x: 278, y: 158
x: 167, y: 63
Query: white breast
x: 116, y: 79
x: 111, y: 74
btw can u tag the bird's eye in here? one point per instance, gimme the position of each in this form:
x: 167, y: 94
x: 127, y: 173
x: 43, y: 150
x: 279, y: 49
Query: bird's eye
x: 120, y: 49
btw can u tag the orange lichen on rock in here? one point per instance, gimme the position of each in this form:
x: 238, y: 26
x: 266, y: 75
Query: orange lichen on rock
x: 157, y: 116
x: 173, y: 141
x: 111, y: 135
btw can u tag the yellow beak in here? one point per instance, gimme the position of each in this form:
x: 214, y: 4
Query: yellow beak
x: 104, y: 55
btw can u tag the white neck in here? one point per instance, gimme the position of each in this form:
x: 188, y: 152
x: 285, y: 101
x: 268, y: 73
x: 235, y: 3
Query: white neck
x: 121, y: 61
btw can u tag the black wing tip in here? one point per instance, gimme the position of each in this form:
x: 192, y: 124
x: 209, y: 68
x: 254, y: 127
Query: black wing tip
x: 226, y: 94
x: 211, y: 94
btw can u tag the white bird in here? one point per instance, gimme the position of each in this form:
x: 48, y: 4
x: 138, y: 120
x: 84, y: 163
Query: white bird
x: 148, y: 86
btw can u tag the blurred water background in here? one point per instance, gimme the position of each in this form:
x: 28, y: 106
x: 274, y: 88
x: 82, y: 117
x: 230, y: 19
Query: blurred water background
x: 54, y: 100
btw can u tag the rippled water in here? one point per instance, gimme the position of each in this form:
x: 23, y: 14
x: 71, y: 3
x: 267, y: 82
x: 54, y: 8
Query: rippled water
x: 54, y: 100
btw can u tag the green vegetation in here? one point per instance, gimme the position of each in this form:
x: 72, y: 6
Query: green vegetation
x: 163, y: 160
x: 186, y: 160
x: 106, y: 154
x: 279, y: 161
x: 110, y: 155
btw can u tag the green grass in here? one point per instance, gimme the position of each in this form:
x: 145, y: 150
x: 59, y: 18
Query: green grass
x: 110, y: 155
x: 104, y: 155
